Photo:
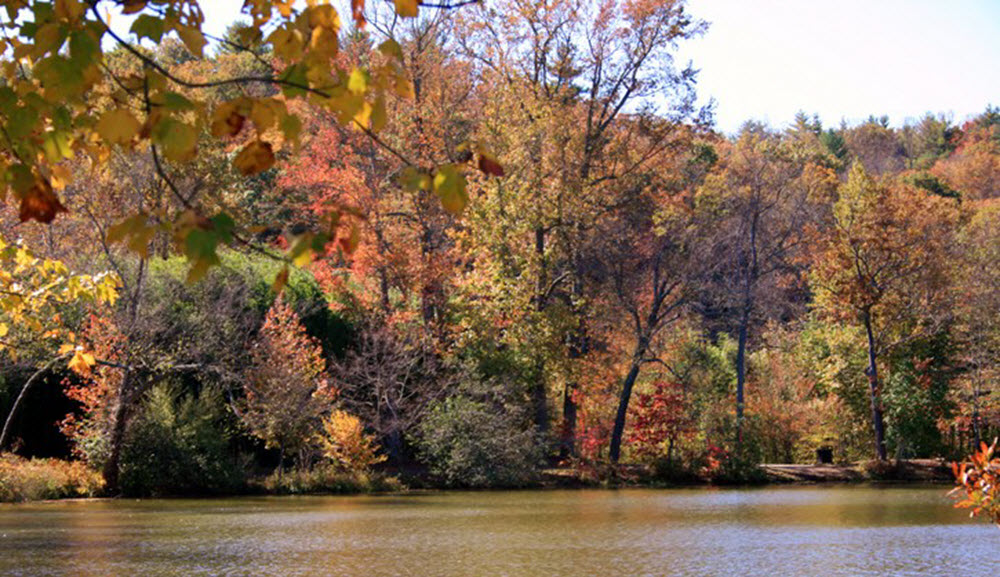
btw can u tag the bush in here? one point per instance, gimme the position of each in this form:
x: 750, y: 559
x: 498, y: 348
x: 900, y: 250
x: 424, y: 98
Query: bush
x: 327, y: 479
x: 179, y: 445
x: 33, y: 479
x: 979, y: 483
x: 472, y: 444
x: 346, y: 445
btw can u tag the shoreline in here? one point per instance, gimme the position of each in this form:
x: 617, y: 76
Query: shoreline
x: 911, y: 472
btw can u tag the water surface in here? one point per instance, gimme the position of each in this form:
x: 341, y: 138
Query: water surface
x: 793, y: 531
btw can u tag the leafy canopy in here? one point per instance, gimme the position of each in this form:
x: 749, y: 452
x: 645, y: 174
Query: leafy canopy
x: 61, y: 101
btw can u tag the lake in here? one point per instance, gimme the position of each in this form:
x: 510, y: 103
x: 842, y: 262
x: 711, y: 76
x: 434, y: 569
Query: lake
x: 794, y: 531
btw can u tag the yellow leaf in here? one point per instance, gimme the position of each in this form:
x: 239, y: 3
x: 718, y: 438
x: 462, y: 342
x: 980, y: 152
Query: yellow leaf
x: 254, y: 158
x: 81, y: 362
x: 61, y: 176
x: 118, y: 126
x: 403, y: 87
x: 287, y: 44
x: 323, y: 16
x: 193, y: 39
x: 357, y: 82
x: 363, y: 116
x: 407, y: 8
x: 323, y: 41
x: 378, y: 116
x: 392, y: 49
x: 4, y: 329
x: 291, y: 127
x: 227, y: 120
x: 263, y: 114
x: 449, y: 185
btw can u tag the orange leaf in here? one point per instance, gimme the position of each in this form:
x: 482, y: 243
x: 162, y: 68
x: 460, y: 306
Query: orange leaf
x: 254, y: 158
x: 40, y: 203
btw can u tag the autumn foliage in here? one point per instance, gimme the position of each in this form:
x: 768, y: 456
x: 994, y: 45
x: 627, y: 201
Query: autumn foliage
x: 979, y: 483
x: 344, y: 442
x: 287, y: 391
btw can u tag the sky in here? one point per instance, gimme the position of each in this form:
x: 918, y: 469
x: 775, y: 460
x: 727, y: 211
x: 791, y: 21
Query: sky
x: 846, y: 59
x: 841, y: 59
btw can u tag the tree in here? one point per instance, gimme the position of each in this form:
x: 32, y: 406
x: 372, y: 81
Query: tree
x: 71, y: 104
x: 764, y: 201
x: 660, y: 417
x: 36, y: 295
x: 287, y: 392
x: 882, y: 265
x: 344, y: 442
x: 567, y: 110
x: 974, y: 168
x: 389, y: 379
x: 977, y: 302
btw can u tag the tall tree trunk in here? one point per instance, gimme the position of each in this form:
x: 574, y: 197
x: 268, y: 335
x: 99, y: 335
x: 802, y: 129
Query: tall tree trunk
x: 878, y: 423
x: 567, y: 441
x: 741, y: 353
x: 112, y: 466
x: 577, y: 350
x: 977, y: 388
x: 626, y: 395
x: 539, y: 393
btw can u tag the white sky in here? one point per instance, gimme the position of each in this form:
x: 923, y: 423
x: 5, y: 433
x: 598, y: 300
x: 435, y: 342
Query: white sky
x: 842, y: 59
x: 846, y: 59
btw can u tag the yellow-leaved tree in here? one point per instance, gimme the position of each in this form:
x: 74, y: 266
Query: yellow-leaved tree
x: 35, y: 295
x: 61, y: 100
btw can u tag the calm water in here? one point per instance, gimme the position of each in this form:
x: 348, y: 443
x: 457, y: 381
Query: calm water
x: 849, y: 531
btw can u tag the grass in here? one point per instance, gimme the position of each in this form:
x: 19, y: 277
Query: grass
x: 36, y: 479
x: 320, y: 480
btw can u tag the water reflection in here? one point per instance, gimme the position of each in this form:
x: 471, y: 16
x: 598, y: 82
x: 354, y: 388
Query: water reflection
x: 847, y: 531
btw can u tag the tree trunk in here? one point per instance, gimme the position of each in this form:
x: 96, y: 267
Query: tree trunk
x: 619, y: 428
x: 539, y: 394
x: 112, y: 467
x: 741, y: 377
x: 878, y: 423
x: 567, y: 444
x: 976, y: 393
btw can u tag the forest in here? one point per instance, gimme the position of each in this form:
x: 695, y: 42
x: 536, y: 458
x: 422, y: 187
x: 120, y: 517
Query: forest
x: 459, y: 246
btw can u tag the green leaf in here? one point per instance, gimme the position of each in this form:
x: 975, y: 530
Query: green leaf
x: 178, y: 140
x: 83, y: 48
x: 177, y: 102
x: 148, y: 26
x: 295, y: 75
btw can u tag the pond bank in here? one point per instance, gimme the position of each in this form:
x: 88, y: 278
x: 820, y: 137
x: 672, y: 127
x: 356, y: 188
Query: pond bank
x: 908, y: 471
x: 917, y: 471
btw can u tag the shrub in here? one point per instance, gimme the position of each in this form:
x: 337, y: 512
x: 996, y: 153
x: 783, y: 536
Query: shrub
x: 979, y: 483
x: 32, y: 479
x: 178, y: 444
x: 327, y: 479
x: 344, y: 442
x: 470, y: 443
